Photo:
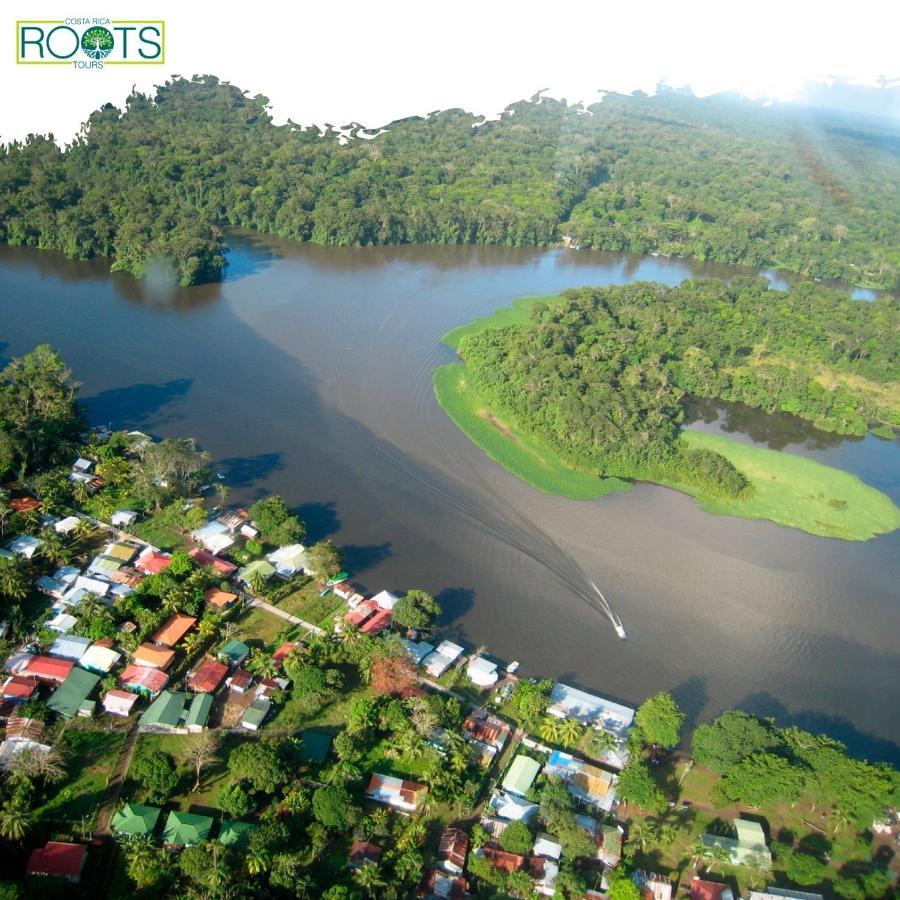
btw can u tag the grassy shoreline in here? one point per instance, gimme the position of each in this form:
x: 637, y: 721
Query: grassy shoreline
x: 789, y: 490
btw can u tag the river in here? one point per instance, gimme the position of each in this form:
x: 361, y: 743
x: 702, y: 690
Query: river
x: 308, y: 372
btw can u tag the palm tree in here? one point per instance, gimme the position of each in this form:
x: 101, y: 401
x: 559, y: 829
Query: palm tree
x: 54, y: 550
x: 191, y: 643
x: 717, y: 857
x: 261, y: 663
x: 602, y: 742
x: 667, y: 834
x: 15, y: 821
x: 85, y: 528
x: 642, y: 835
x: 570, y: 732
x: 12, y: 580
x: 841, y: 818
x: 409, y: 865
x: 551, y: 730
x: 258, y: 860
x: 368, y: 877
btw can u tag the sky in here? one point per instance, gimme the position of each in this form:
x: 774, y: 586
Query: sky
x: 375, y: 62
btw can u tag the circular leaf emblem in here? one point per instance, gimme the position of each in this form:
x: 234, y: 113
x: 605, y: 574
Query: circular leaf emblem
x: 97, y: 42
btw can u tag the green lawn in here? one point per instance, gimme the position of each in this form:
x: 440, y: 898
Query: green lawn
x: 306, y: 604
x: 519, y: 313
x: 259, y: 628
x: 379, y: 760
x: 514, y: 449
x: 156, y: 532
x: 91, y: 758
x: 799, y: 493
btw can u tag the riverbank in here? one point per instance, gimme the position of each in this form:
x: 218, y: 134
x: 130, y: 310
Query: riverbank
x: 789, y: 490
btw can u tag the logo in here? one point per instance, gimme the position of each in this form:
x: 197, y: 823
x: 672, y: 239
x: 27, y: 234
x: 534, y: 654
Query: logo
x: 90, y: 43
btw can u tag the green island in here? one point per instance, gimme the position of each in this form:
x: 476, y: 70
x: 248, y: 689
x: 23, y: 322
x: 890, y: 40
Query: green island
x: 575, y: 393
x: 196, y: 705
x: 716, y: 179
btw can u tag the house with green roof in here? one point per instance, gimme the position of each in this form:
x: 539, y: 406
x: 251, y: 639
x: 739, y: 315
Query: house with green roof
x: 520, y: 775
x: 198, y: 712
x: 747, y: 849
x: 165, y: 713
x: 258, y: 568
x: 234, y: 651
x: 186, y: 829
x: 315, y: 745
x: 255, y: 714
x: 70, y: 699
x: 133, y: 818
x: 233, y: 834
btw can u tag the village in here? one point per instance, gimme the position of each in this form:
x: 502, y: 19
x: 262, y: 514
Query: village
x: 320, y: 725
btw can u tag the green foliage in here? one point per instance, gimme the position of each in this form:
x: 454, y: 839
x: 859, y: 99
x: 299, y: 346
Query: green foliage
x: 730, y: 738
x: 531, y: 700
x: 325, y: 559
x: 235, y: 801
x: 636, y: 785
x: 152, y: 185
x: 417, y: 609
x: 517, y: 838
x: 762, y: 778
x: 805, y: 869
x: 276, y: 523
x: 260, y: 764
x: 333, y: 807
x: 155, y: 773
x: 660, y: 720
x: 624, y: 889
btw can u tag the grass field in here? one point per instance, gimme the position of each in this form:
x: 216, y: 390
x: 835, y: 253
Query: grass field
x: 306, y: 604
x: 789, y: 490
x: 799, y: 493
x: 512, y: 448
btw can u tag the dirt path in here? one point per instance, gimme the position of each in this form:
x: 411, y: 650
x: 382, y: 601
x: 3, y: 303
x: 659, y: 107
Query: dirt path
x: 114, y: 788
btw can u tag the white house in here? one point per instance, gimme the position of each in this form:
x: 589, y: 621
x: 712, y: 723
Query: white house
x: 82, y: 465
x: 70, y: 646
x: 51, y: 587
x: 481, y: 671
x: 119, y: 703
x: 61, y: 623
x: 443, y: 657
x: 92, y: 585
x: 122, y: 518
x: 26, y: 545
x: 67, y: 525
x: 417, y: 651
x: 215, y: 536
x: 67, y: 574
x: 100, y: 659
x: 386, y: 600
x: 289, y: 560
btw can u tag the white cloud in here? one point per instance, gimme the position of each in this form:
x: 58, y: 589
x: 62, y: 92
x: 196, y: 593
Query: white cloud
x: 373, y: 62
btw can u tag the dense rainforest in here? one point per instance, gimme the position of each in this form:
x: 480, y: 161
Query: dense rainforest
x: 715, y: 179
x: 602, y: 373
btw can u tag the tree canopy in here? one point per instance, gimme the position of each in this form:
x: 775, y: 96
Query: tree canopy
x: 417, y: 609
x: 660, y: 720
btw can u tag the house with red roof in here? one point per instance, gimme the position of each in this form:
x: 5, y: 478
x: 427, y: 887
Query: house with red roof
x: 48, y: 669
x: 152, y: 561
x: 710, y: 890
x: 240, y: 680
x: 362, y: 852
x: 153, y: 656
x: 452, y: 850
x: 363, y: 611
x: 502, y: 859
x: 19, y: 688
x: 208, y: 676
x: 398, y: 793
x: 436, y: 883
x: 58, y: 860
x: 377, y: 623
x: 144, y: 680
x: 205, y: 558
x: 119, y: 703
x: 281, y: 653
x: 219, y: 598
x: 25, y: 504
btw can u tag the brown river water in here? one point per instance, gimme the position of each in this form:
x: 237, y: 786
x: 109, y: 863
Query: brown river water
x: 308, y: 372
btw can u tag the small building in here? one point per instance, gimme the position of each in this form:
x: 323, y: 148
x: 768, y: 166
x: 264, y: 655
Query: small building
x: 174, y: 629
x: 234, y: 651
x: 710, y: 890
x: 363, y: 853
x: 144, y: 680
x: 385, y: 600
x: 165, y: 713
x: 123, y: 518
x: 452, y: 849
x: 26, y: 546
x: 186, y: 829
x: 240, y: 681
x: 256, y: 713
x: 775, y: 893
x: 377, y: 623
x: 747, y: 849
x: 215, y: 536
x: 652, y: 886
x: 443, y: 657
x: 482, y: 672
x: 204, y: 558
x: 51, y: 587
x: 279, y: 656
x: 67, y: 574
x: 47, y: 669
x: 398, y: 793
x: 152, y: 561
x: 259, y: 568
x: 417, y: 650
x: 520, y: 775
x: 290, y: 560
x: 61, y: 623
x: 67, y: 526
x: 487, y: 733
x: 98, y: 658
x: 119, y: 703
x: 584, y: 781
x: 133, y: 818
x: 547, y: 848
x: 21, y: 735
x: 198, y: 713
x: 235, y: 834
x: 82, y: 465
x: 361, y: 613
x: 220, y: 599
x: 153, y: 656
x: 208, y: 676
x: 57, y: 859
x: 441, y: 886
x: 25, y: 504
x: 19, y: 688
x: 103, y: 566
x: 121, y: 551
x: 511, y: 807
x: 502, y: 859
x: 70, y: 699
x: 597, y: 712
